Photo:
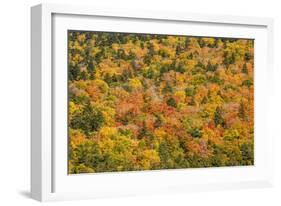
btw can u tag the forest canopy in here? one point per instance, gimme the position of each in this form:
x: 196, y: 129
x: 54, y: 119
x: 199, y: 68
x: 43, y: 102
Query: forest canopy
x: 149, y: 101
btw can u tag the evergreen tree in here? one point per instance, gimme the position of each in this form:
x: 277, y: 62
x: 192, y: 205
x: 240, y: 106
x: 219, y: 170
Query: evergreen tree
x: 245, y: 69
x: 172, y: 102
x: 218, y: 117
x: 242, y: 112
x: 167, y: 89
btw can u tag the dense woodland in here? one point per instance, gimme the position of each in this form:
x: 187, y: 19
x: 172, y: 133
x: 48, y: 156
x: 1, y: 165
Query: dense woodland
x: 146, y: 102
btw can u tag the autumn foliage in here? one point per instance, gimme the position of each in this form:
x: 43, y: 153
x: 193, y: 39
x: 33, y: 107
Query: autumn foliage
x: 146, y: 102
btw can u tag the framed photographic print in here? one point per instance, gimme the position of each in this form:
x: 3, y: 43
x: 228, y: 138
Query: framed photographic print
x: 137, y: 102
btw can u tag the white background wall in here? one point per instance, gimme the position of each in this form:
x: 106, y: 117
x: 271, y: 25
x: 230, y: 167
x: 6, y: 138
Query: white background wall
x: 15, y: 101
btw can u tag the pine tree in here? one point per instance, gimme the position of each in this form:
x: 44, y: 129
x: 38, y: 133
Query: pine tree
x: 167, y: 89
x: 241, y: 111
x: 218, y: 117
x: 245, y: 69
x: 172, y: 102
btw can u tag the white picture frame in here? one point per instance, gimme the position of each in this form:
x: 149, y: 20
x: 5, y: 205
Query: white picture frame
x: 49, y: 178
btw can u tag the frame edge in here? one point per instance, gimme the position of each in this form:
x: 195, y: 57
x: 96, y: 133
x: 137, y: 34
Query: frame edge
x: 36, y: 137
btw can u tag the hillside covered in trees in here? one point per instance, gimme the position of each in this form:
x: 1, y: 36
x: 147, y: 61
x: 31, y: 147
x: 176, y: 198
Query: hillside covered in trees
x: 146, y: 102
